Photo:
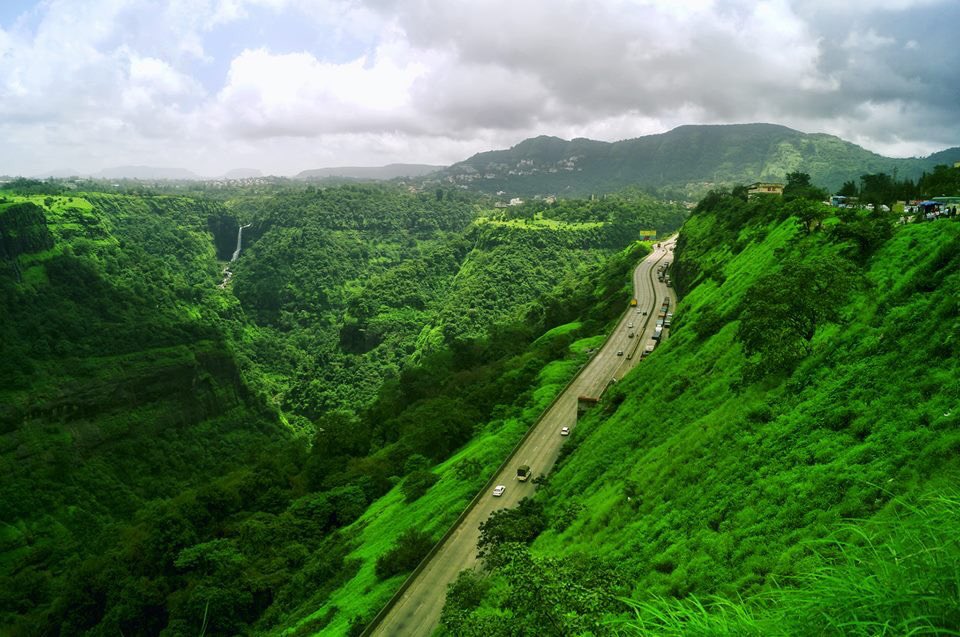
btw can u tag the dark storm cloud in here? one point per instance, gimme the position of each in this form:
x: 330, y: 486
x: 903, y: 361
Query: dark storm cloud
x: 736, y: 61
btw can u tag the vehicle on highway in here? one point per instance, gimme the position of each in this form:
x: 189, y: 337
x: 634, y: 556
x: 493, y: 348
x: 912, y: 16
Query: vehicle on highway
x: 498, y: 490
x: 633, y: 302
x: 630, y: 325
x: 620, y: 353
x: 630, y: 335
x: 564, y: 431
x: 523, y: 472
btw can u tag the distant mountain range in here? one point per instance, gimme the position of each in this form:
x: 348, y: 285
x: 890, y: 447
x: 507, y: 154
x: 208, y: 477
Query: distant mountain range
x: 390, y: 171
x: 685, y: 162
x: 691, y: 158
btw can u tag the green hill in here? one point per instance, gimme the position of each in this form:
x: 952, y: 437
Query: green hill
x: 684, y: 162
x: 785, y: 464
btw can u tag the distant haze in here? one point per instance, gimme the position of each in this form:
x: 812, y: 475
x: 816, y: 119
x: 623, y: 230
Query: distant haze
x: 371, y: 172
x: 283, y: 86
x: 242, y: 173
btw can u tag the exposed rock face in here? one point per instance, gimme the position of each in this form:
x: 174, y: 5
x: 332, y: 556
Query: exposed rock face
x: 23, y: 229
x: 224, y: 231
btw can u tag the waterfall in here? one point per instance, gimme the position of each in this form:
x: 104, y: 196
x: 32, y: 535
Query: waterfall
x: 236, y: 253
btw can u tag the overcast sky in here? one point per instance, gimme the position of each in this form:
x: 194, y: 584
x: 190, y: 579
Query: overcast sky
x: 286, y: 85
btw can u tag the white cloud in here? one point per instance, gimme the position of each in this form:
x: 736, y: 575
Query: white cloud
x: 191, y: 82
x: 296, y: 94
x: 867, y: 41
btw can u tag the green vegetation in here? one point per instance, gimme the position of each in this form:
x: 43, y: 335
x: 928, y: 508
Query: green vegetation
x: 785, y: 463
x: 271, y: 452
x: 897, y: 576
x: 189, y: 452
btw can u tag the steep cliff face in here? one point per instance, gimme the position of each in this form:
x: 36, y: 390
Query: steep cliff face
x: 223, y: 227
x: 23, y: 229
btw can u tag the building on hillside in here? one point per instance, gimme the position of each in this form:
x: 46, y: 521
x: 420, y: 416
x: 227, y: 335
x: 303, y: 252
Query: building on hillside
x: 764, y: 188
x: 516, y: 201
x: 648, y: 235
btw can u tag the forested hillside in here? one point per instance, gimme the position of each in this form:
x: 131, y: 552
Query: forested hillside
x: 184, y: 452
x: 347, y: 284
x: 683, y: 163
x: 786, y: 463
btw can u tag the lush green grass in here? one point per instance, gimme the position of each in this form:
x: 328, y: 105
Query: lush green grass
x: 461, y: 476
x: 539, y: 223
x: 898, y: 576
x: 700, y: 479
x: 731, y: 481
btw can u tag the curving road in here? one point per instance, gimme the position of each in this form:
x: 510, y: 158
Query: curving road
x: 417, y: 612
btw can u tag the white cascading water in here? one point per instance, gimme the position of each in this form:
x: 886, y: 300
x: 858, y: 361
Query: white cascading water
x: 236, y: 253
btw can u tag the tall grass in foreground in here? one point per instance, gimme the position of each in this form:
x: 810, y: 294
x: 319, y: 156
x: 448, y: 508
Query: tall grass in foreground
x: 896, y: 577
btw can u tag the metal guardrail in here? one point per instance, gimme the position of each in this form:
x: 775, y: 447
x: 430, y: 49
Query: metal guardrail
x: 379, y: 617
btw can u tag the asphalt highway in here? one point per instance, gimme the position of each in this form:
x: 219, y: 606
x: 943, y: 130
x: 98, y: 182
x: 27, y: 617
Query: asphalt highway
x: 417, y: 613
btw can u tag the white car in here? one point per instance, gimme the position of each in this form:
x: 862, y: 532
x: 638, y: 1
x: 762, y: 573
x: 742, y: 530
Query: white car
x: 564, y: 431
x: 498, y: 490
x: 620, y: 353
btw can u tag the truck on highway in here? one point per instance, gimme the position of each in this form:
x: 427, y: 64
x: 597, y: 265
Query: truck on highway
x: 523, y: 472
x: 584, y: 403
x: 633, y: 302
